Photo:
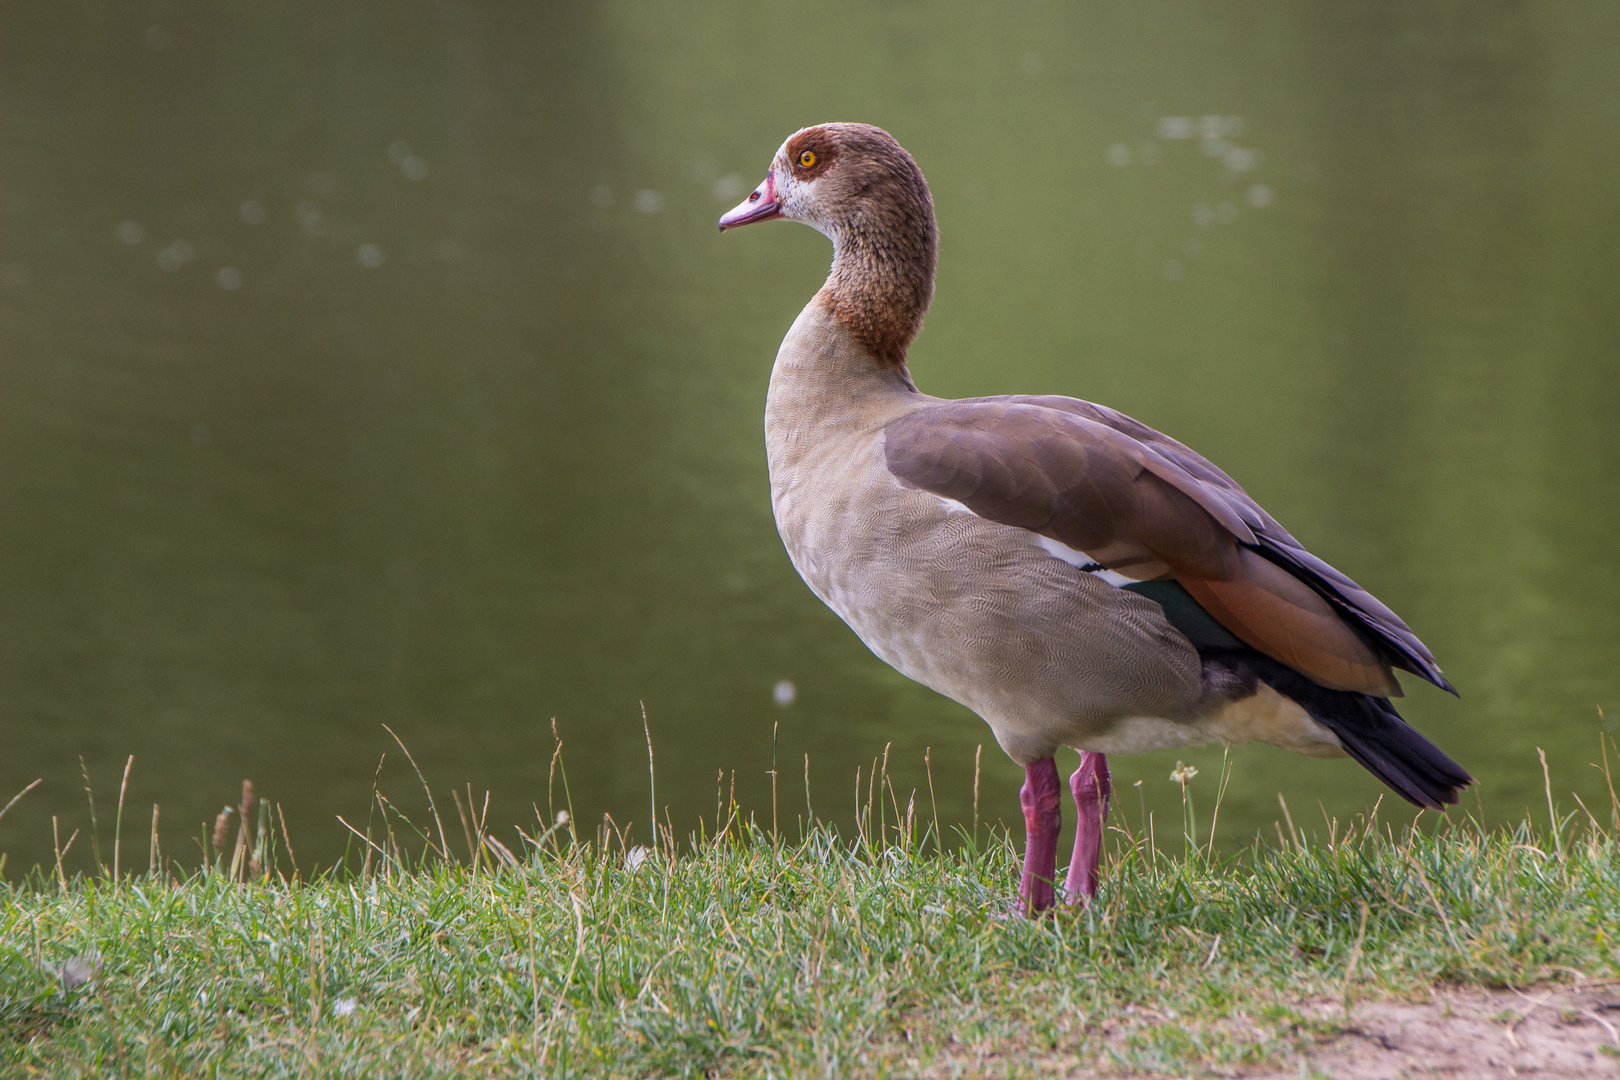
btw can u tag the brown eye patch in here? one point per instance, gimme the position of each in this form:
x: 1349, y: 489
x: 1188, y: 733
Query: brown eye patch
x: 812, y: 153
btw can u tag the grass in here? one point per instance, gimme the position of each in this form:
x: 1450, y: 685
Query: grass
x: 740, y: 953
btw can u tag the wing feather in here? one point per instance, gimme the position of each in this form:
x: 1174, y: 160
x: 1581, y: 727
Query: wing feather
x: 1140, y: 502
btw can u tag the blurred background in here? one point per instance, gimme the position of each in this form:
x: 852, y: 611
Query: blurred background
x: 371, y: 363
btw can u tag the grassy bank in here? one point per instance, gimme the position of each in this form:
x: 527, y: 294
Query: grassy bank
x: 741, y: 954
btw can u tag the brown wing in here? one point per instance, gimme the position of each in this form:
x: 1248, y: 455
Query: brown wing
x: 1146, y: 506
x: 1395, y: 640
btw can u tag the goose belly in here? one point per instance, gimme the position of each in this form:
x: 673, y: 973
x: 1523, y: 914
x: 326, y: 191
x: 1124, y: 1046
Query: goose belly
x: 984, y: 614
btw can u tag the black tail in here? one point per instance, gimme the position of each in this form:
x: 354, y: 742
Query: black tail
x: 1369, y: 728
x: 1372, y: 732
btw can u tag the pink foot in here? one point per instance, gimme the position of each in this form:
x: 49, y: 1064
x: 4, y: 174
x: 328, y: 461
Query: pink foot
x: 1091, y: 789
x: 1043, y: 817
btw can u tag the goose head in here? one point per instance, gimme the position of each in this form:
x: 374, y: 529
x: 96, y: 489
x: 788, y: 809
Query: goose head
x: 857, y: 186
x: 838, y: 178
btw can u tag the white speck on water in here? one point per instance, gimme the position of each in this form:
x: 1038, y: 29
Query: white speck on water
x: 1241, y: 160
x: 413, y: 167
x: 131, y: 233
x: 176, y: 255
x: 1260, y: 196
x: 727, y: 188
x: 398, y: 151
x: 344, y: 1006
x: 1033, y: 63
x: 601, y: 196
x: 1172, y: 270
x: 370, y: 256
x: 1194, y: 248
x: 228, y: 278
x: 201, y: 435
x: 1216, y: 148
x: 1147, y: 153
x: 1202, y: 215
x: 1225, y: 213
x: 157, y: 37
x: 251, y: 212
x: 310, y: 218
x: 784, y: 693
x: 1118, y: 154
x: 701, y: 171
x: 1175, y: 127
x: 649, y: 202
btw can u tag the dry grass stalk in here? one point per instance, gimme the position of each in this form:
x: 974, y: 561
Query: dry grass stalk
x: 118, y: 821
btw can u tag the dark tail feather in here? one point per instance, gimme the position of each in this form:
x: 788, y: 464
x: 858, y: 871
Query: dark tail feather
x: 1372, y: 732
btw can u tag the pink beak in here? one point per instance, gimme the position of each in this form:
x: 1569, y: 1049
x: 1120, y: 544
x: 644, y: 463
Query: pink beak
x: 759, y: 206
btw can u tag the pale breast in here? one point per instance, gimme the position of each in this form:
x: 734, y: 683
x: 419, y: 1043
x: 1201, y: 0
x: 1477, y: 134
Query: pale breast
x: 986, y: 614
x: 980, y: 612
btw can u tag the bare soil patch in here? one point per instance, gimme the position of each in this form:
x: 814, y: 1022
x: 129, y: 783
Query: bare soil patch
x: 1546, y: 1031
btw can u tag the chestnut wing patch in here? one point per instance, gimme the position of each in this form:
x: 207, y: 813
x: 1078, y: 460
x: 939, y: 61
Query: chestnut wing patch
x: 1143, y: 504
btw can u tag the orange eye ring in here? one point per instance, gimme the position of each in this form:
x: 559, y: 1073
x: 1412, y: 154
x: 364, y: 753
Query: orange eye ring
x: 807, y: 159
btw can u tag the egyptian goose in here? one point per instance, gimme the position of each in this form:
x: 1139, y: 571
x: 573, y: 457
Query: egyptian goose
x: 1072, y: 576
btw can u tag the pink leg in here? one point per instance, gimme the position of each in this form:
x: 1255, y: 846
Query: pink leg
x: 1041, y: 799
x: 1091, y: 790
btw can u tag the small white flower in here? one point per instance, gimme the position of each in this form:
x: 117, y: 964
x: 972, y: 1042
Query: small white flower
x: 80, y: 970
x: 1183, y: 773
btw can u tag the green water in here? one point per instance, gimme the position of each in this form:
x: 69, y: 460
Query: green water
x: 368, y: 363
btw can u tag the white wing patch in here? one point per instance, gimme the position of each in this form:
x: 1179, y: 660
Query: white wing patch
x: 951, y: 506
x: 1082, y: 561
x: 1055, y: 548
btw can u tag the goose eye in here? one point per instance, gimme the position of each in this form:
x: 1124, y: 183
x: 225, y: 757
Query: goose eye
x: 807, y: 159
